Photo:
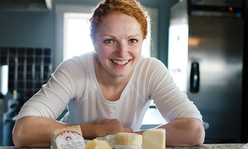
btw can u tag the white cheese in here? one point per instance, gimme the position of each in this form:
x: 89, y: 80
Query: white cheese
x: 68, y: 138
x: 127, y: 139
x: 98, y: 144
x: 154, y: 139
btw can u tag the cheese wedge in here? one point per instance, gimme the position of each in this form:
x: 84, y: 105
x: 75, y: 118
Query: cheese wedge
x: 98, y: 144
x: 127, y: 139
x: 154, y: 139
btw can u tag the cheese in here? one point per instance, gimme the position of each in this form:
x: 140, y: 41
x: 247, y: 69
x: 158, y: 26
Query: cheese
x: 75, y: 128
x: 154, y: 139
x: 127, y: 139
x: 68, y: 138
x: 98, y: 144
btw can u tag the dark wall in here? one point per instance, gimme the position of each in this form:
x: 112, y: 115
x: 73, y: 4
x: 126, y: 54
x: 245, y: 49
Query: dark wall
x: 37, y: 28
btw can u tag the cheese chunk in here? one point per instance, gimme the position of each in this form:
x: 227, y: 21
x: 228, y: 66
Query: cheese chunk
x: 127, y: 139
x: 154, y: 139
x: 98, y: 144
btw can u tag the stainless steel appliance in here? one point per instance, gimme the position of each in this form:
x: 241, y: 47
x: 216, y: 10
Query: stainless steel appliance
x: 206, y: 61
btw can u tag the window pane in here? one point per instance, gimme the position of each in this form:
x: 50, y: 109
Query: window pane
x: 79, y: 40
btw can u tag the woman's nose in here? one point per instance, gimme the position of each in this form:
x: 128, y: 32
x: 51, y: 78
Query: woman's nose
x: 122, y: 50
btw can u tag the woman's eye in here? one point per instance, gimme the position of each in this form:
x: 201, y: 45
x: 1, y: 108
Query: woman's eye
x: 133, y: 40
x: 108, y: 41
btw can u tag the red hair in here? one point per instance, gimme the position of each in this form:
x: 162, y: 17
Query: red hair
x: 129, y: 7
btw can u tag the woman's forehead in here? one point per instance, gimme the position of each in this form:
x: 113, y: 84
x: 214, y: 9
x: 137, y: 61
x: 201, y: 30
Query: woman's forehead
x: 119, y: 22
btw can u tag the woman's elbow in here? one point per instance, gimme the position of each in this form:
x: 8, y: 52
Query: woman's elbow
x: 17, y: 135
x: 200, y: 139
x: 199, y: 132
x: 20, y: 132
x: 17, y: 142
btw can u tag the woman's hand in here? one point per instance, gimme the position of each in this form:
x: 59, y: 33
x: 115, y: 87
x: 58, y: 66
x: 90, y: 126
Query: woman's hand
x: 111, y: 127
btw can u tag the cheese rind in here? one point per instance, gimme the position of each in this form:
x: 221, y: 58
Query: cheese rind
x: 75, y: 128
x: 127, y: 139
x: 98, y: 144
x: 154, y: 139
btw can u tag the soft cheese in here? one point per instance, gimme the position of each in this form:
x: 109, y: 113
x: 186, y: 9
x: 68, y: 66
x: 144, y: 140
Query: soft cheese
x: 154, y: 139
x: 127, y: 139
x: 68, y: 138
x: 98, y: 144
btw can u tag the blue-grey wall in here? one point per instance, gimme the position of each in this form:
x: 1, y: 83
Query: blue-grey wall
x: 26, y: 29
x: 37, y: 28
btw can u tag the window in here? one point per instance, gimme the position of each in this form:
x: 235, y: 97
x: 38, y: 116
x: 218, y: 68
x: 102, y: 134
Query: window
x: 77, y: 35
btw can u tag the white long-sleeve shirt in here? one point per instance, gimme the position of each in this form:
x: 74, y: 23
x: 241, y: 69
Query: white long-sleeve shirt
x: 74, y: 84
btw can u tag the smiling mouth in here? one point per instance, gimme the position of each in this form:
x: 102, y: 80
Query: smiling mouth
x: 120, y: 62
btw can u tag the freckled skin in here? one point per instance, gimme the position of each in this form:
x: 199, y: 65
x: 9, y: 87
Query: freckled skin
x: 118, y: 45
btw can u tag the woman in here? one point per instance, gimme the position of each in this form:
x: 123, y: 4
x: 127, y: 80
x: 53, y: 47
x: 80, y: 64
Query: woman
x: 109, y: 90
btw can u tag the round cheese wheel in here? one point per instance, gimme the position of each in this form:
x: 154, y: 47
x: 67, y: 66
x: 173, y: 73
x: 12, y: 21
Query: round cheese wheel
x: 127, y: 139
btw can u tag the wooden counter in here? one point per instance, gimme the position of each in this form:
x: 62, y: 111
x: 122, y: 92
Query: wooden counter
x: 205, y: 146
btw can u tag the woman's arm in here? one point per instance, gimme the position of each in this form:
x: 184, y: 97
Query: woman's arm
x: 37, y: 131
x: 184, y: 132
x: 185, y: 121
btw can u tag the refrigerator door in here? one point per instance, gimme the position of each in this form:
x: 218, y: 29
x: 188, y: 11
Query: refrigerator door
x: 227, y: 3
x: 216, y: 46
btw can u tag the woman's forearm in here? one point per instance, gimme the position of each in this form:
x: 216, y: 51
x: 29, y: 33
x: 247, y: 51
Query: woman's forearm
x: 34, y: 131
x: 37, y: 131
x: 184, y: 132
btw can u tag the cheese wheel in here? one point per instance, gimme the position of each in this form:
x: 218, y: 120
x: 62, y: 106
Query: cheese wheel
x: 68, y: 137
x: 153, y: 139
x: 127, y: 139
x: 98, y: 144
x: 75, y: 128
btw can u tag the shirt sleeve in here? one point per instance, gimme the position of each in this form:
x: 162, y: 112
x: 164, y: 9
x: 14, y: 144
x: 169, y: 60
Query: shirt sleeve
x: 51, y: 100
x: 170, y: 101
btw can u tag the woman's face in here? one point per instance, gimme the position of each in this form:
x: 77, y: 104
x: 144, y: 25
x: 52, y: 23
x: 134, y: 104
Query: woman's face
x: 118, y: 43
